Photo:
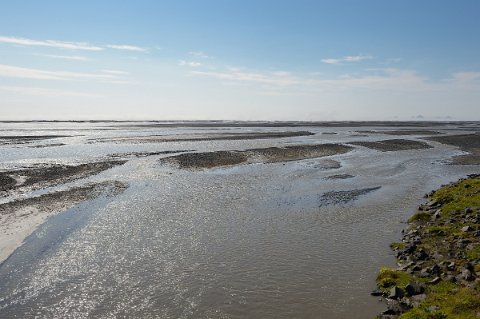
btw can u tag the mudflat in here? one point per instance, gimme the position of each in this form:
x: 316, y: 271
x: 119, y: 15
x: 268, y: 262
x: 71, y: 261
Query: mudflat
x: 394, y: 145
x: 466, y: 142
x: 270, y: 154
x: 49, y: 175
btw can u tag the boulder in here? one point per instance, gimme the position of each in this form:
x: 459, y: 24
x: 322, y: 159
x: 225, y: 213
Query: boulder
x: 467, y: 229
x: 396, y: 293
x: 414, y: 288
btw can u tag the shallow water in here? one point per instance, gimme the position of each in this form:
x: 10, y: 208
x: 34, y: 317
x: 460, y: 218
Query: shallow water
x: 250, y: 241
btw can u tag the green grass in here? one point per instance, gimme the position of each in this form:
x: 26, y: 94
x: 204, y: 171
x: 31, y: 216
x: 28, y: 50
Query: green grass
x: 396, y: 246
x: 447, y: 300
x: 440, y: 236
x: 420, y: 216
x: 459, y: 196
x: 388, y: 277
x: 474, y: 253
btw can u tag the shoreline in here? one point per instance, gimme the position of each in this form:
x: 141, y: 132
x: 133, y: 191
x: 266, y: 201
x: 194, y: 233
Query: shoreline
x: 20, y: 216
x: 438, y: 273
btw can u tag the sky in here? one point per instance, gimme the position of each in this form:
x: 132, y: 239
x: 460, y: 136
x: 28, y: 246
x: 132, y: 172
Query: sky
x: 240, y: 60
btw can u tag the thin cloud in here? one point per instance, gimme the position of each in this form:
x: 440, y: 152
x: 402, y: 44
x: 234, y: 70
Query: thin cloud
x: 50, y: 43
x: 192, y: 64
x: 270, y: 78
x: 398, y: 80
x: 199, y: 54
x: 115, y: 72
x: 126, y: 47
x: 65, y: 57
x: 348, y: 58
x: 37, y: 74
x: 37, y: 91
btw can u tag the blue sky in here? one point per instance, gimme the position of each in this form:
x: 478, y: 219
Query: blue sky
x: 246, y: 60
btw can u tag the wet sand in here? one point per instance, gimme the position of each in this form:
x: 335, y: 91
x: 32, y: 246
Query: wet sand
x: 394, y: 145
x: 260, y: 155
x: 19, y: 218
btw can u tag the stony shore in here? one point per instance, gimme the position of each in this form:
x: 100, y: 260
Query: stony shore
x: 438, y: 274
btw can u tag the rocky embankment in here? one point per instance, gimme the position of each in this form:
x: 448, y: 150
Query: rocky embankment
x: 439, y: 258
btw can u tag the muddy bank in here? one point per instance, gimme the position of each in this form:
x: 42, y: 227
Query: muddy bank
x: 23, y: 139
x: 296, y: 124
x: 259, y: 155
x: 340, y: 176
x: 403, y: 132
x: 144, y: 154
x: 47, y: 145
x: 438, y: 258
x: 466, y: 142
x: 19, y: 218
x: 344, y: 197
x: 325, y: 164
x: 49, y: 175
x: 202, y: 137
x: 394, y: 145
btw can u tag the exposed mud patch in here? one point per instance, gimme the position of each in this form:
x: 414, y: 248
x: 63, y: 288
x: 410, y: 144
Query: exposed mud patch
x: 466, y: 142
x: 394, y: 145
x: 340, y: 176
x: 145, y: 154
x: 270, y: 154
x: 325, y: 164
x: 23, y: 139
x: 403, y: 132
x: 202, y: 137
x: 48, y: 175
x: 47, y: 145
x: 344, y: 197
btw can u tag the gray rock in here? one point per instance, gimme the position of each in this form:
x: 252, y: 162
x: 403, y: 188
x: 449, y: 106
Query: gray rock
x: 451, y: 266
x: 467, y: 229
x: 414, y: 288
x: 425, y: 272
x: 376, y: 293
x: 417, y: 299
x: 435, y: 270
x: 396, y: 293
x: 469, y: 266
x: 467, y: 275
x: 434, y: 281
